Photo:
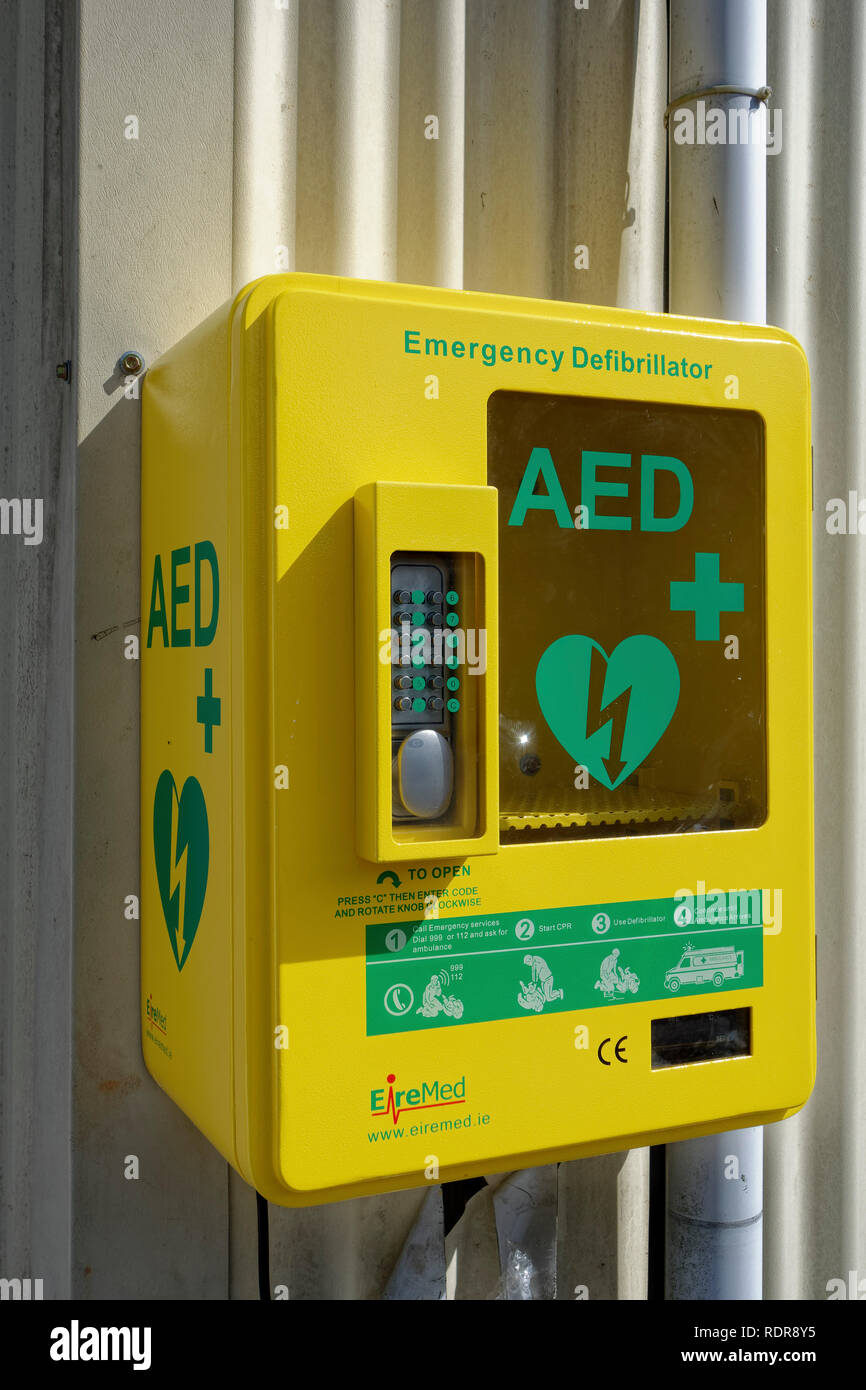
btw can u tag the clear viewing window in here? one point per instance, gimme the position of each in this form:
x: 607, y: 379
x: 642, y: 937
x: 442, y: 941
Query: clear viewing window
x: 691, y: 1038
x: 632, y: 616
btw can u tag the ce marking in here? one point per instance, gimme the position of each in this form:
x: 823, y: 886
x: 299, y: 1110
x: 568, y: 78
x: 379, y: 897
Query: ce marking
x: 618, y: 1051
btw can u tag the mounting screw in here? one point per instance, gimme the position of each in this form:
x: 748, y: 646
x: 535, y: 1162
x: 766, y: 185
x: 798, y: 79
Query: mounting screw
x: 131, y: 363
x: 63, y: 371
x: 530, y: 763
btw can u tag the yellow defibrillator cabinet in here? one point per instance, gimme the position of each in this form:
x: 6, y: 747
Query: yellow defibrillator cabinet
x: 476, y: 732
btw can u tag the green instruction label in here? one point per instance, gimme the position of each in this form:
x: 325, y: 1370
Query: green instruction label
x: 441, y: 972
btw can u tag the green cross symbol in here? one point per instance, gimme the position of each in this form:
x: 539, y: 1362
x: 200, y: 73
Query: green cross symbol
x: 706, y: 596
x: 207, y: 710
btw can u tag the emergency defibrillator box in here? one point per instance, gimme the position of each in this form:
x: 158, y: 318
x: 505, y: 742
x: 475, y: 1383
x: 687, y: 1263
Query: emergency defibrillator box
x: 476, y: 732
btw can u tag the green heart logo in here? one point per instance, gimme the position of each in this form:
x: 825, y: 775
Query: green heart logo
x: 608, y: 712
x: 181, y: 849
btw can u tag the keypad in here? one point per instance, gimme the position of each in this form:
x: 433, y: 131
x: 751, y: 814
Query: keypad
x: 423, y: 616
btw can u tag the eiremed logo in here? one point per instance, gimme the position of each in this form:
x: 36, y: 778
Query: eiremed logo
x: 426, y: 1096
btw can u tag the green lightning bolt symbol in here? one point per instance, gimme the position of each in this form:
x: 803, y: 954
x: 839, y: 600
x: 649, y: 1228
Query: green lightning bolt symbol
x: 177, y: 881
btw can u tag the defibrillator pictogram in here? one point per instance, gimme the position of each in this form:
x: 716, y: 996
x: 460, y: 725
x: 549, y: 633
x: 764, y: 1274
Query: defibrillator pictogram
x: 608, y: 712
x: 181, y: 850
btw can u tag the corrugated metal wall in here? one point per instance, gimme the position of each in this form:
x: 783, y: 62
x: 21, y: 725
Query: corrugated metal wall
x: 37, y: 461
x: 551, y: 137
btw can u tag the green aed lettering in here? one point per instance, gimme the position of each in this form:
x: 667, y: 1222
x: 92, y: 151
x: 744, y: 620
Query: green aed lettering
x: 179, y: 633
x: 596, y: 482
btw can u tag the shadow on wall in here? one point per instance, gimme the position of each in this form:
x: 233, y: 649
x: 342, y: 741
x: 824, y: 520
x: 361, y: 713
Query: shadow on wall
x: 128, y: 1229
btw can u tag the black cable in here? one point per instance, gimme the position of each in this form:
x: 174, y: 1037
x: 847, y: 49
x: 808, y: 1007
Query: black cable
x: 264, y: 1247
x: 455, y: 1195
x: 655, y: 1290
